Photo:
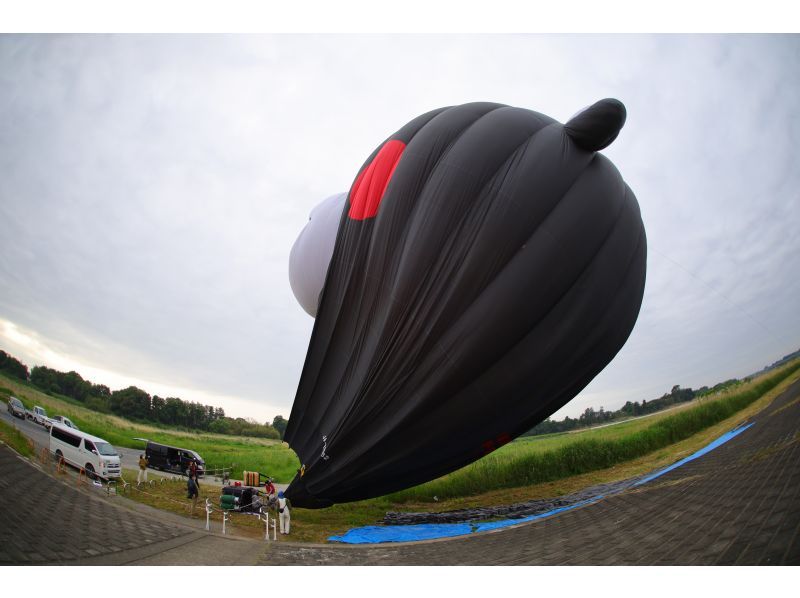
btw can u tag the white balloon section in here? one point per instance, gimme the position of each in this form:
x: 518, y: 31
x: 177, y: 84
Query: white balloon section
x: 312, y: 251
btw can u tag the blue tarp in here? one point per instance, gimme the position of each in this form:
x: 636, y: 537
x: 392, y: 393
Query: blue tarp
x: 377, y: 534
x: 485, y: 527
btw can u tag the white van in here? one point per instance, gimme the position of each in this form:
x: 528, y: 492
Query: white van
x: 83, y: 450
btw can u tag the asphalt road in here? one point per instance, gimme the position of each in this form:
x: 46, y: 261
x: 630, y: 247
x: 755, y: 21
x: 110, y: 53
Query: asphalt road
x: 738, y: 504
x: 41, y: 438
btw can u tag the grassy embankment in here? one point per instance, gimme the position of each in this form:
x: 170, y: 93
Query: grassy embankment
x: 692, y: 426
x: 521, y: 464
x: 243, y: 453
x: 16, y: 439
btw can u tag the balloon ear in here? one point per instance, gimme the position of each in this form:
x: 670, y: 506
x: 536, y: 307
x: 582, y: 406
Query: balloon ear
x: 598, y: 125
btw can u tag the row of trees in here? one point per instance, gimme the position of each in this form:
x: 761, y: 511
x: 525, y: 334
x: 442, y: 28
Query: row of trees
x: 591, y: 417
x: 135, y: 403
x: 13, y: 367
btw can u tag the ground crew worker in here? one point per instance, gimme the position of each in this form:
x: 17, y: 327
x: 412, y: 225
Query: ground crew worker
x: 283, y: 513
x: 143, y: 463
x: 269, y: 488
x: 194, y: 491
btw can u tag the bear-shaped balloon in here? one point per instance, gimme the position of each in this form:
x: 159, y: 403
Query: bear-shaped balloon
x: 488, y: 264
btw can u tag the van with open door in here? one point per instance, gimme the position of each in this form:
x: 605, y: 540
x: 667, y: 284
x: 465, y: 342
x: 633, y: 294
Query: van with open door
x: 172, y: 458
x: 84, y: 451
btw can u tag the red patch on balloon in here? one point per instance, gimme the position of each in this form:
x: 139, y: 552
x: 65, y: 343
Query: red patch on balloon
x: 371, y: 183
x: 490, y: 445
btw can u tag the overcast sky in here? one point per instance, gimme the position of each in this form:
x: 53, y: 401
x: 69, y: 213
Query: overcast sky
x: 151, y: 188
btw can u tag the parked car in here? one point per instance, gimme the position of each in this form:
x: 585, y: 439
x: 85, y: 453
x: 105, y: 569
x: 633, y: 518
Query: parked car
x: 16, y: 408
x: 171, y: 458
x: 96, y: 456
x: 64, y: 421
x: 38, y: 415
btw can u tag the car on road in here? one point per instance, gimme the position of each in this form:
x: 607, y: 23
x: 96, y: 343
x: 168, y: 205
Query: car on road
x: 64, y: 421
x: 171, y: 458
x: 92, y: 454
x: 39, y: 416
x: 16, y: 408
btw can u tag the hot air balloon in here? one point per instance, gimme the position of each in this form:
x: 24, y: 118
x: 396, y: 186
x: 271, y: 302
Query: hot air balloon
x: 488, y: 263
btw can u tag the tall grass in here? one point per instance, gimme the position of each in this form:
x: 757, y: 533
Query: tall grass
x: 16, y: 439
x: 520, y: 467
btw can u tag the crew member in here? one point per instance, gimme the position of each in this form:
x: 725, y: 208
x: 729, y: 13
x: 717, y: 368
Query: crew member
x: 283, y: 513
x: 143, y: 463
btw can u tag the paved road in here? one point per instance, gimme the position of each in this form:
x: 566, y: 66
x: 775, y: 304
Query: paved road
x: 739, y: 504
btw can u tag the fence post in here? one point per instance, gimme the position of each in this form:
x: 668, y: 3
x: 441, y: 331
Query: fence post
x: 208, y: 514
x: 263, y: 512
x: 224, y: 520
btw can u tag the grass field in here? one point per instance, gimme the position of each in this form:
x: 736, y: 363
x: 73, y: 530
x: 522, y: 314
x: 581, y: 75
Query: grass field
x: 542, y: 459
x: 270, y: 457
x: 16, y: 439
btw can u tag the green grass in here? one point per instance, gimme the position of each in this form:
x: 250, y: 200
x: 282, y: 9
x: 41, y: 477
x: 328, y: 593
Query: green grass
x: 270, y: 457
x: 307, y: 525
x: 545, y: 442
x: 534, y: 461
x: 16, y: 439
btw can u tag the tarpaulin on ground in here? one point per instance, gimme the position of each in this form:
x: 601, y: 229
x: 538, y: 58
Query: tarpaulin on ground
x: 376, y: 534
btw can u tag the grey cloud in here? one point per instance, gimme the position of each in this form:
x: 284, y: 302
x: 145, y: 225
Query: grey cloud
x: 153, y: 186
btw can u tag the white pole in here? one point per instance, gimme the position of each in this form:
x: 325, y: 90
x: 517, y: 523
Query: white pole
x: 274, y: 531
x: 208, y: 514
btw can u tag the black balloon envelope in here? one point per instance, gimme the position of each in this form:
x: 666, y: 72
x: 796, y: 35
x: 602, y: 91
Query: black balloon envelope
x: 489, y: 263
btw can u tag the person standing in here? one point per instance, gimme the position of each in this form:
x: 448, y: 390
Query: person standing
x: 143, y: 463
x: 194, y: 491
x: 283, y: 513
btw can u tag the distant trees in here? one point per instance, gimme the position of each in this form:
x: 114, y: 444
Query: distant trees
x: 280, y: 424
x: 70, y: 384
x: 131, y: 402
x: 590, y: 417
x: 135, y: 403
x: 13, y: 367
x: 244, y: 427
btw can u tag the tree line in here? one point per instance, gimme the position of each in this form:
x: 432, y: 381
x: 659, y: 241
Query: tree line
x: 592, y: 417
x: 136, y: 404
